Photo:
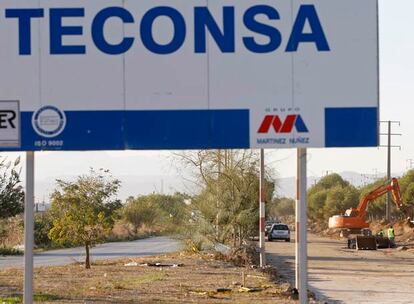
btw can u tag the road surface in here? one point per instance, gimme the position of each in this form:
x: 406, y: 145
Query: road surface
x: 145, y: 247
x: 341, y: 275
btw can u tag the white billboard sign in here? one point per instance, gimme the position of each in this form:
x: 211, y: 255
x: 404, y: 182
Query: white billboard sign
x: 179, y: 74
x: 9, y: 124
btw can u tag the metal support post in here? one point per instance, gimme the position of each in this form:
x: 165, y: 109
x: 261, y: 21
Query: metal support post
x: 29, y: 229
x: 301, y: 261
x: 218, y: 197
x: 262, y: 210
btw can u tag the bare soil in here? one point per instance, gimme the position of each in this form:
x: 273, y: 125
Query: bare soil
x: 404, y: 231
x: 341, y: 275
x: 198, y: 280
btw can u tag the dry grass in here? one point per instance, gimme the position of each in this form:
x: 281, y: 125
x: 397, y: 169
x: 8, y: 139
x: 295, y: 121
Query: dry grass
x: 196, y: 281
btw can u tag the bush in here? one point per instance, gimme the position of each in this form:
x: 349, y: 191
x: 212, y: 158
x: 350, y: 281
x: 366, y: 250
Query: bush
x: 42, y: 225
x: 11, y: 231
x: 10, y: 251
x: 11, y: 190
x: 138, y: 212
x: 156, y: 212
x: 281, y: 207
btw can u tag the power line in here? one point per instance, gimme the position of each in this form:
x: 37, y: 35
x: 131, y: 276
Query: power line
x: 389, y: 146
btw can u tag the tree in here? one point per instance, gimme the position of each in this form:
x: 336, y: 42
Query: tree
x: 167, y: 212
x: 407, y: 189
x: 281, y: 207
x: 334, y: 203
x: 316, y: 202
x: 43, y: 223
x: 82, y: 209
x: 139, y: 212
x: 11, y: 190
x: 3, y: 232
x: 226, y: 185
x: 332, y: 180
x: 375, y: 208
x: 330, y: 196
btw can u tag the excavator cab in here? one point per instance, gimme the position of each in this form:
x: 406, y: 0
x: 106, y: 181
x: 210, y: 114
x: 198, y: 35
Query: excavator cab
x: 351, y: 212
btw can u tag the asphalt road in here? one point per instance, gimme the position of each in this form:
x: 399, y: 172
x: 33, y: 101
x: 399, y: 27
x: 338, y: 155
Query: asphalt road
x: 341, y: 275
x: 145, y: 247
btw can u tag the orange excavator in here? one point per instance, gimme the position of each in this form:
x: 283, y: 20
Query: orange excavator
x: 354, y: 218
x: 354, y: 222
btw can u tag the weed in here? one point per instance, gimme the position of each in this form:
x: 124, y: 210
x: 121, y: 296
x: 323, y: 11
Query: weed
x: 17, y: 299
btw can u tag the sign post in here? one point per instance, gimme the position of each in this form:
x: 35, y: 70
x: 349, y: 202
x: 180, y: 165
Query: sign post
x: 301, y: 261
x: 29, y: 229
x: 262, y: 211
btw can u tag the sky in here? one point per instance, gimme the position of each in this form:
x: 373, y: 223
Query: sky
x: 148, y: 171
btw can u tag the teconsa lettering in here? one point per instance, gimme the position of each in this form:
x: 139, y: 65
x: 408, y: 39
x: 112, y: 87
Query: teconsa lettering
x: 224, y: 34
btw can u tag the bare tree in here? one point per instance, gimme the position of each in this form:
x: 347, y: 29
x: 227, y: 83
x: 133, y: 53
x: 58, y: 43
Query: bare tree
x: 228, y: 191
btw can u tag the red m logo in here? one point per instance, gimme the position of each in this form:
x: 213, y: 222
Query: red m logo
x: 283, y: 127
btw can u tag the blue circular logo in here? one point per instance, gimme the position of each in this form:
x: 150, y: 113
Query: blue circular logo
x: 49, y: 121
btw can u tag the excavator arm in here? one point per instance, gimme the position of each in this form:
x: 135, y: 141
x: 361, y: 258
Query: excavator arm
x: 392, y: 187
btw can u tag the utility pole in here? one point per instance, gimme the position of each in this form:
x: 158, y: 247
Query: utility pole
x: 389, y: 145
x: 326, y: 172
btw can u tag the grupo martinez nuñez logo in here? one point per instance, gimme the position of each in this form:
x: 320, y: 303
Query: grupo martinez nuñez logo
x: 283, y: 130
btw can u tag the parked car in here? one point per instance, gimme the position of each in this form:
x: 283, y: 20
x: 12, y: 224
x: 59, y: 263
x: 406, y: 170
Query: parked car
x: 279, y: 232
x: 269, y: 225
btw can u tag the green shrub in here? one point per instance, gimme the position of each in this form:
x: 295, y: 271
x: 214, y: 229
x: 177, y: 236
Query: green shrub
x: 10, y: 251
x: 42, y: 225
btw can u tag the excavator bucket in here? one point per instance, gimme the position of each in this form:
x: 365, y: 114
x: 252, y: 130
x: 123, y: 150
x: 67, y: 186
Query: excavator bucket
x: 383, y: 242
x: 366, y: 242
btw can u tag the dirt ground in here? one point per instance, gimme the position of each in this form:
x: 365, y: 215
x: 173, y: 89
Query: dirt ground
x: 341, y: 275
x: 195, y: 281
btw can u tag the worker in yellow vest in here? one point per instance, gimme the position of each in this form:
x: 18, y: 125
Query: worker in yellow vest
x: 381, y: 233
x: 391, y: 235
